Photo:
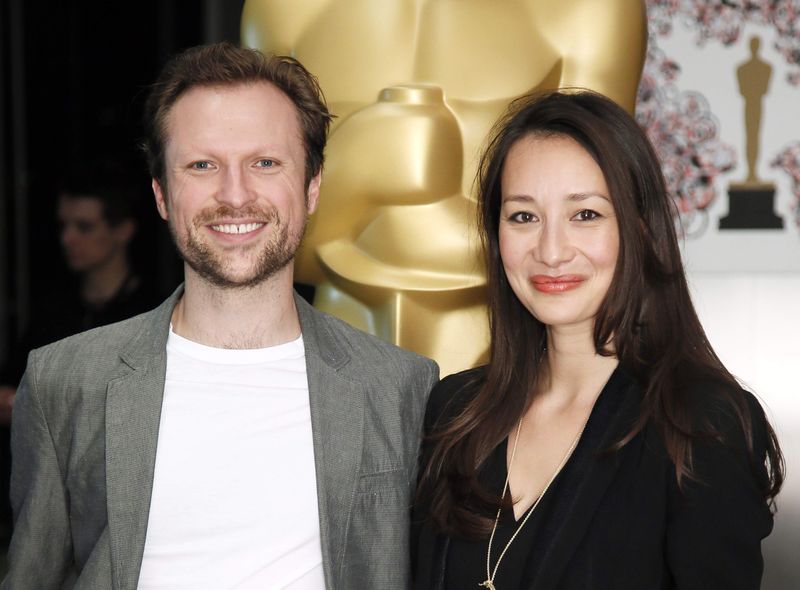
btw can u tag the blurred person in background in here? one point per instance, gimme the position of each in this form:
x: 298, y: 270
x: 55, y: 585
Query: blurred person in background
x: 98, y: 206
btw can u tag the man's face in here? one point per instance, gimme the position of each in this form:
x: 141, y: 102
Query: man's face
x: 88, y: 240
x: 237, y: 203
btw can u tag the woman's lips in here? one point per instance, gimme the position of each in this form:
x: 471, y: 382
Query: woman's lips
x: 559, y: 284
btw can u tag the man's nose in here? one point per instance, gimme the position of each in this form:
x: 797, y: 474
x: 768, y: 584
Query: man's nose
x: 235, y: 189
x: 68, y: 235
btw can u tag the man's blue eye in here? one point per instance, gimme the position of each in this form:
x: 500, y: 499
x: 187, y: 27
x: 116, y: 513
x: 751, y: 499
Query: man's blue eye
x: 266, y: 163
x: 200, y: 165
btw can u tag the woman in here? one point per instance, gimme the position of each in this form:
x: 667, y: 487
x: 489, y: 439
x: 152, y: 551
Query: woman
x: 604, y: 446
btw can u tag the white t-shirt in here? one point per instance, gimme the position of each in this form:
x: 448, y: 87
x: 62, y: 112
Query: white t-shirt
x: 234, y: 502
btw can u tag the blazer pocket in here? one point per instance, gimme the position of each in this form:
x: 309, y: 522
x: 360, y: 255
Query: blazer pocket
x: 385, y: 480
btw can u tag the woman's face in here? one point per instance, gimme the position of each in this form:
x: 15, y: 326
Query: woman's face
x: 558, y: 232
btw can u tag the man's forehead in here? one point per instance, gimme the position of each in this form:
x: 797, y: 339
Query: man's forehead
x: 82, y: 200
x: 251, y: 109
x: 258, y: 93
x: 83, y: 205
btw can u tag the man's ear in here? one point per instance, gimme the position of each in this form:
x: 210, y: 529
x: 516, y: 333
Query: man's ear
x: 125, y: 231
x: 161, y: 200
x: 312, y: 193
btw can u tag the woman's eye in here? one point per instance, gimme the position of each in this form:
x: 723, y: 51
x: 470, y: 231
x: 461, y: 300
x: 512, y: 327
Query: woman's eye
x: 522, y: 217
x: 587, y: 215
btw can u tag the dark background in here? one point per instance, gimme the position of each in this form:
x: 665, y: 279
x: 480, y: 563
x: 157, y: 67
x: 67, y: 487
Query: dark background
x: 74, y: 75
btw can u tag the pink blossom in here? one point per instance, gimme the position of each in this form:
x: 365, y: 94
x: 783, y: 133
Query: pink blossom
x: 684, y: 134
x: 788, y: 160
x: 723, y: 21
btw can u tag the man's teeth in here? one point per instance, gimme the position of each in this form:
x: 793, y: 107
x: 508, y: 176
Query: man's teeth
x: 236, y: 228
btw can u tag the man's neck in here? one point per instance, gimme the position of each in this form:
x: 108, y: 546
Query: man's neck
x: 255, y: 317
x: 100, y: 285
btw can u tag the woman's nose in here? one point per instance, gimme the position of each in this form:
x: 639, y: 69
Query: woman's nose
x: 553, y: 246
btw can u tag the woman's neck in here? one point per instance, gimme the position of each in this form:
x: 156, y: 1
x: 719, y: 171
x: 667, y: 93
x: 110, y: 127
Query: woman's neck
x: 573, y: 370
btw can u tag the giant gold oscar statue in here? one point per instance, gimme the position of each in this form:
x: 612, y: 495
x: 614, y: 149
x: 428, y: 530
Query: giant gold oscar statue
x: 416, y: 86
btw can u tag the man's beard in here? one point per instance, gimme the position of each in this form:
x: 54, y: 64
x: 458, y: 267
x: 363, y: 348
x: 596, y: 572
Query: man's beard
x: 211, y: 265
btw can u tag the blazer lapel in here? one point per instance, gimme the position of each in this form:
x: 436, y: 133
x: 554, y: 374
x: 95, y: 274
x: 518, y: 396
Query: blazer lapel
x: 337, y: 420
x: 133, y: 411
x: 615, y: 415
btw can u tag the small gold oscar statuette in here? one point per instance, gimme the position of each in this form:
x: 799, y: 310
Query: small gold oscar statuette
x: 751, y: 202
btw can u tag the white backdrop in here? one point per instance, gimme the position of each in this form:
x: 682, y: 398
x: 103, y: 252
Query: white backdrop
x: 753, y: 323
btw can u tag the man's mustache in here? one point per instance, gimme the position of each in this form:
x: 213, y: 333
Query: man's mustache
x: 250, y: 213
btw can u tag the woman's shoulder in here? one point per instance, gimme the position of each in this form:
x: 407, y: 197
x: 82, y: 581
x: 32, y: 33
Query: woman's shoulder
x: 725, y: 408
x: 451, y: 394
x: 731, y: 432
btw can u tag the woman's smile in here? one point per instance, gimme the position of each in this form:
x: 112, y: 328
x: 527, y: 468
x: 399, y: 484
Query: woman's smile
x: 559, y: 284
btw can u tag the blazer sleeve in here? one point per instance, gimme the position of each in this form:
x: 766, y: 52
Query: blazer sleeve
x: 717, y: 520
x: 39, y: 556
x: 429, y: 378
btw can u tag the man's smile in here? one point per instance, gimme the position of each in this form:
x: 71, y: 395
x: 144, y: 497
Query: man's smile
x: 237, y: 228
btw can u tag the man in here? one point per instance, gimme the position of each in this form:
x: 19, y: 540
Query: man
x: 97, y: 218
x: 98, y: 222
x: 234, y: 437
x: 96, y: 212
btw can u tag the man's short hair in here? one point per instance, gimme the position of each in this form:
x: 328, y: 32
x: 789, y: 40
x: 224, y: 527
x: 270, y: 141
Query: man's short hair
x: 225, y: 64
x: 118, y: 191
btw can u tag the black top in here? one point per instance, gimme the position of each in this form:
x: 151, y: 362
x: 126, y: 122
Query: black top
x: 619, y: 519
x: 61, y: 314
x: 466, y: 558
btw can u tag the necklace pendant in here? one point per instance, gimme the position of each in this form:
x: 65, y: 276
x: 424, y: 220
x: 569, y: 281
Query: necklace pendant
x: 488, y: 584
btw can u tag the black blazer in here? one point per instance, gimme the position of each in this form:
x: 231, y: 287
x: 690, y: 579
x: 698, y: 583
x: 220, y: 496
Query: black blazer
x: 627, y: 525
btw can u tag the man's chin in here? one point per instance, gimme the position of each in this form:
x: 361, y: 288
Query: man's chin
x: 229, y: 281
x: 238, y: 269
x: 238, y: 283
x: 77, y: 266
x: 232, y: 280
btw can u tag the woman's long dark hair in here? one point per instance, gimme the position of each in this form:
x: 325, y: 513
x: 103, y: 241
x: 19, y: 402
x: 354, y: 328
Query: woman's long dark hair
x: 647, y: 314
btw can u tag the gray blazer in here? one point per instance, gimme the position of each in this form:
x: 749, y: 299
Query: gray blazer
x: 84, y: 433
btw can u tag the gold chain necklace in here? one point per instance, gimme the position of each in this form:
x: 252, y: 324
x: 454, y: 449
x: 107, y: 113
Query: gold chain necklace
x: 491, y: 573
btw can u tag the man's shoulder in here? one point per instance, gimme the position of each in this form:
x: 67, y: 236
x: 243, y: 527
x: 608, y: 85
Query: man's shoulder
x: 91, y: 348
x: 103, y: 336
x: 400, y: 375
x: 367, y: 348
